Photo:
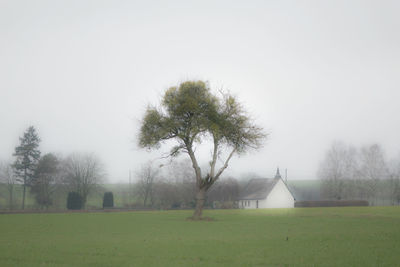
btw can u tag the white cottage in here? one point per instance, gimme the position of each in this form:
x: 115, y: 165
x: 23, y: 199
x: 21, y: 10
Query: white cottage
x: 266, y: 193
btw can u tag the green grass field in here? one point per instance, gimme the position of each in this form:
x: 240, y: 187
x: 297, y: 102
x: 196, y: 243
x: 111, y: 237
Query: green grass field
x: 367, y: 236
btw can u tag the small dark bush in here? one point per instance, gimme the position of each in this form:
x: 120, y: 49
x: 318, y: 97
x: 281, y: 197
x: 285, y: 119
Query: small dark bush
x: 74, y: 201
x: 176, y: 205
x: 108, y: 200
x: 331, y: 203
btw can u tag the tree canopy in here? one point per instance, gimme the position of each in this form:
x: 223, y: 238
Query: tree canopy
x: 190, y: 113
x: 43, y: 183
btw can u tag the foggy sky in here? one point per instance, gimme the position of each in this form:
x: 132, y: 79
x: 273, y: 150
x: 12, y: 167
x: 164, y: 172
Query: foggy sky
x: 309, y: 72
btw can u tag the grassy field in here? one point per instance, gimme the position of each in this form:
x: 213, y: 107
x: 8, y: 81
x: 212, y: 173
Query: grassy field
x: 367, y: 236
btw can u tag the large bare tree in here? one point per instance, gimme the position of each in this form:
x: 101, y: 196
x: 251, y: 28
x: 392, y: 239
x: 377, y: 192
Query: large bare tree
x: 189, y: 114
x: 337, y: 170
x: 83, y: 172
x: 373, y: 169
x: 394, y: 181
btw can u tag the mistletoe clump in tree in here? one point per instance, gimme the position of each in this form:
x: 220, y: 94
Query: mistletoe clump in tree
x: 190, y: 113
x: 27, y: 157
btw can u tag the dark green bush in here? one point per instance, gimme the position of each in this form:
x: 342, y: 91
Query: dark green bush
x: 74, y: 201
x: 108, y: 200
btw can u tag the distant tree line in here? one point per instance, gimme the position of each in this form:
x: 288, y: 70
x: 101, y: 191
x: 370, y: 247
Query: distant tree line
x: 174, y: 186
x: 362, y: 173
x: 346, y: 173
x: 58, y: 182
x: 49, y: 175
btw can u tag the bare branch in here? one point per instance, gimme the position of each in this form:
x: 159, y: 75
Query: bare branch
x: 221, y: 170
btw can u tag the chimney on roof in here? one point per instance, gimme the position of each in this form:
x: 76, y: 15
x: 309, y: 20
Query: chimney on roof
x: 278, y: 175
x: 285, y: 176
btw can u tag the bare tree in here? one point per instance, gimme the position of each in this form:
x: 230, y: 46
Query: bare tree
x: 146, y: 179
x: 337, y: 170
x: 394, y: 181
x: 372, y: 170
x: 166, y: 194
x: 83, y: 173
x: 8, y: 177
x: 182, y: 175
x: 225, y: 192
x: 175, y: 186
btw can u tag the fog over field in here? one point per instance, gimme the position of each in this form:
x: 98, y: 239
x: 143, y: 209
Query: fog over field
x: 308, y: 72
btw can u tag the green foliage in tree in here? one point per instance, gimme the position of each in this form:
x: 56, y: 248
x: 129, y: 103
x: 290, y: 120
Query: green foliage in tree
x: 27, y: 156
x: 108, y: 200
x: 190, y: 113
x: 43, y: 182
x: 74, y: 201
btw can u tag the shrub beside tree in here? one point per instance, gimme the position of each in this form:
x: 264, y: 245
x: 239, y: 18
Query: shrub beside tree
x: 74, y: 201
x: 108, y: 200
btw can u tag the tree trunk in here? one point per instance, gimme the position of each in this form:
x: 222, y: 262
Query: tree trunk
x: 11, y: 198
x: 23, y: 197
x: 145, y: 200
x: 84, y: 199
x: 200, y: 199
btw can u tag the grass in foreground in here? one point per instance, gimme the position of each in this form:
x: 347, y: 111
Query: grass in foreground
x: 368, y: 236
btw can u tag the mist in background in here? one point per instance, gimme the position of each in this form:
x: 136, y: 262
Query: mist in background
x: 310, y: 73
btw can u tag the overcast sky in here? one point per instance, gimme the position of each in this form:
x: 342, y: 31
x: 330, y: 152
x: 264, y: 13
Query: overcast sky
x: 309, y: 72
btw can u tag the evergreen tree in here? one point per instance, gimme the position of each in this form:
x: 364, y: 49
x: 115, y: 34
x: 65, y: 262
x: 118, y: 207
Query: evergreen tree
x: 27, y: 156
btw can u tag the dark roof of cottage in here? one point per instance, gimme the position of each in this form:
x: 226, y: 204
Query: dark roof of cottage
x: 258, y: 188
